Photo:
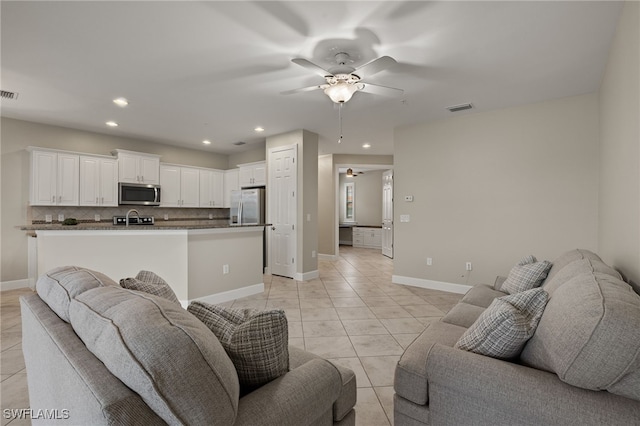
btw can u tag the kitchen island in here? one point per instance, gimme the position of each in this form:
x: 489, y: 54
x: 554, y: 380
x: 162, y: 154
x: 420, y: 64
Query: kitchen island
x: 204, y: 260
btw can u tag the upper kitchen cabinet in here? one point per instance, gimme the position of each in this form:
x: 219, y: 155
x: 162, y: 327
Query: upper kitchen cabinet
x: 211, y: 188
x: 54, y: 178
x: 136, y: 167
x: 98, y: 181
x: 231, y: 183
x: 180, y: 186
x: 253, y: 174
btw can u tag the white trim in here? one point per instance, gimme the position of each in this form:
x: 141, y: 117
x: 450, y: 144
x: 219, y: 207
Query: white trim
x: 15, y: 284
x: 346, y: 243
x: 226, y: 296
x: 306, y: 276
x: 434, y: 285
x: 328, y: 257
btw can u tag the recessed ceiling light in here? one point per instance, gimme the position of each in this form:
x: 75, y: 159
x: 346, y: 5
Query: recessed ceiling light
x: 259, y: 129
x: 121, y: 102
x: 206, y: 142
x: 111, y: 124
x: 366, y: 145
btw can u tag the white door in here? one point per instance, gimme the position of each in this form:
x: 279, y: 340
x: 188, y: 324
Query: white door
x: 282, y: 209
x: 387, y: 213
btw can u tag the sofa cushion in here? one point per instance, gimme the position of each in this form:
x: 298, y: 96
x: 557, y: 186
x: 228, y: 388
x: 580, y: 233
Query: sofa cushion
x: 525, y: 276
x: 575, y: 268
x: 256, y: 341
x: 482, y: 295
x: 589, y: 335
x: 463, y: 314
x: 151, y: 283
x: 162, y: 352
x: 411, y: 381
x: 507, y: 324
x: 58, y: 286
x: 566, y: 258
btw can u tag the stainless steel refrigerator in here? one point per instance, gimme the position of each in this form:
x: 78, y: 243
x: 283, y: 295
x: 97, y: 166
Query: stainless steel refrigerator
x: 247, y: 206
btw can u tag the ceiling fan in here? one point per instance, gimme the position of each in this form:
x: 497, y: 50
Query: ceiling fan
x: 342, y: 81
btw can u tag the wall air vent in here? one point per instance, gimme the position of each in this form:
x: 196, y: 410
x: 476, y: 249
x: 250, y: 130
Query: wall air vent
x: 239, y: 143
x: 5, y: 94
x: 462, y: 107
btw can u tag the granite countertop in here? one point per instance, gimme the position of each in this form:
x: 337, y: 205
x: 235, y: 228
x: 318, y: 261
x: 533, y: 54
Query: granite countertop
x: 159, y: 225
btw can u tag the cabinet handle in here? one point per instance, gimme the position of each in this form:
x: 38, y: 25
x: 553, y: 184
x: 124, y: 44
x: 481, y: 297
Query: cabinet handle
x: 96, y: 200
x: 53, y: 198
x: 102, y: 200
x: 59, y: 198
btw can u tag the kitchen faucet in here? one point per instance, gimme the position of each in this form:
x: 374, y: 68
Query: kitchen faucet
x: 126, y: 219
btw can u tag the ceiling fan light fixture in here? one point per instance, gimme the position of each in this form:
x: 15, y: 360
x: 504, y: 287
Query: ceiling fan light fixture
x: 341, y: 92
x: 349, y: 172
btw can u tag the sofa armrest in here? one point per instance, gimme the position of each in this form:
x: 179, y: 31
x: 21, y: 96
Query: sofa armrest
x: 497, y: 285
x: 300, y: 396
x: 464, y: 385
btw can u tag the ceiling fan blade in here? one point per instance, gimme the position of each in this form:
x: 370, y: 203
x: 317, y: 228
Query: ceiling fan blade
x: 375, y: 66
x: 303, y: 89
x: 311, y: 66
x: 381, y: 90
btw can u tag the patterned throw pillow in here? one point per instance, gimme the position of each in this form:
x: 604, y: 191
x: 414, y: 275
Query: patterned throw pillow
x: 256, y: 341
x: 508, y: 323
x: 527, y: 274
x: 148, y: 282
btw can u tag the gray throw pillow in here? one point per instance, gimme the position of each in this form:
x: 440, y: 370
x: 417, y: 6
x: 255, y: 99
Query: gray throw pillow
x: 508, y: 323
x: 148, y: 282
x: 256, y: 341
x: 527, y: 274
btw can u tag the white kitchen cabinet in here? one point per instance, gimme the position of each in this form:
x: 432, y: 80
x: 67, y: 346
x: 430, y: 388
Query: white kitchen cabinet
x: 98, y: 181
x: 366, y: 237
x: 180, y: 186
x: 231, y: 183
x: 211, y: 188
x: 136, y: 167
x: 253, y: 174
x: 54, y: 178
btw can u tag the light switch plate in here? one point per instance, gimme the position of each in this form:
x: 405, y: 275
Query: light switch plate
x: 405, y: 218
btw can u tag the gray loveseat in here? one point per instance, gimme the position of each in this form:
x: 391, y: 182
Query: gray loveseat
x: 180, y: 372
x: 581, y: 367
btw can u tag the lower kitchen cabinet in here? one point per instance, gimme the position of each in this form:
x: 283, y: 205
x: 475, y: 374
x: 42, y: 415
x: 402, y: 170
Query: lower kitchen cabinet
x: 367, y: 237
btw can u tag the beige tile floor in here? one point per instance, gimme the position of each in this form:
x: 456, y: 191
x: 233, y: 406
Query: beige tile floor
x: 352, y: 315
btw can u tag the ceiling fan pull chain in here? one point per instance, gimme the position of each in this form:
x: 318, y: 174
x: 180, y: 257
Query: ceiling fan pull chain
x: 340, y: 121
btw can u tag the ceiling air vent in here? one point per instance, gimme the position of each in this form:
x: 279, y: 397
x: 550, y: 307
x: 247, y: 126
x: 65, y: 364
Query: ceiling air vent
x: 239, y: 143
x: 4, y: 94
x: 462, y: 107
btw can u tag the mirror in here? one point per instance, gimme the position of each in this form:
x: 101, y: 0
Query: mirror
x: 349, y: 202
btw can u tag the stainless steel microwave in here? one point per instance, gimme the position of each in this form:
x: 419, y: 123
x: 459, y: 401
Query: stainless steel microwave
x: 138, y: 194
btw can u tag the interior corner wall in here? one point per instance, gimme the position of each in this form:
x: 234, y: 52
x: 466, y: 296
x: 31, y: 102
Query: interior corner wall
x: 619, y: 202
x: 16, y: 135
x: 492, y: 187
x: 326, y: 206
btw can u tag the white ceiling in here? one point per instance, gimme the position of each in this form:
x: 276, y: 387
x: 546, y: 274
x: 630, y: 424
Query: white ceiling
x: 215, y: 70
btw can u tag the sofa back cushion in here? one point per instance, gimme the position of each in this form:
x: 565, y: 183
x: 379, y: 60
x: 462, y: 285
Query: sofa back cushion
x: 568, y: 257
x: 577, y: 267
x: 162, y: 352
x: 589, y: 335
x: 59, y: 285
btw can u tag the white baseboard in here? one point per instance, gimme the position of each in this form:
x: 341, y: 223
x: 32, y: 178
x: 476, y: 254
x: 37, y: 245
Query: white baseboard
x: 345, y: 242
x: 226, y: 296
x: 306, y: 276
x: 430, y: 284
x: 15, y: 284
x: 327, y: 257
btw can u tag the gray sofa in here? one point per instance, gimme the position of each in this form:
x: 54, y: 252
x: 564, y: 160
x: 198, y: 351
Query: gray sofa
x: 581, y: 367
x: 184, y: 377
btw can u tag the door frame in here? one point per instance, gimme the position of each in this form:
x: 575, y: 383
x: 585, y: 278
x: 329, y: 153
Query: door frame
x: 336, y: 194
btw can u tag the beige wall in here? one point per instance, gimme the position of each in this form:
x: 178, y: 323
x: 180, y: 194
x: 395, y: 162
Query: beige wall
x: 619, y: 204
x: 368, y: 190
x: 492, y: 187
x: 328, y: 192
x: 251, y: 156
x: 16, y: 135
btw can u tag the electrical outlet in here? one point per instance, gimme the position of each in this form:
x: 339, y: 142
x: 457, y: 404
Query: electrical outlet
x: 166, y: 216
x: 210, y: 215
x: 60, y: 217
x: 429, y: 261
x: 469, y: 266
x: 225, y: 269
x: 96, y: 217
x: 48, y: 218
x: 313, y: 253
